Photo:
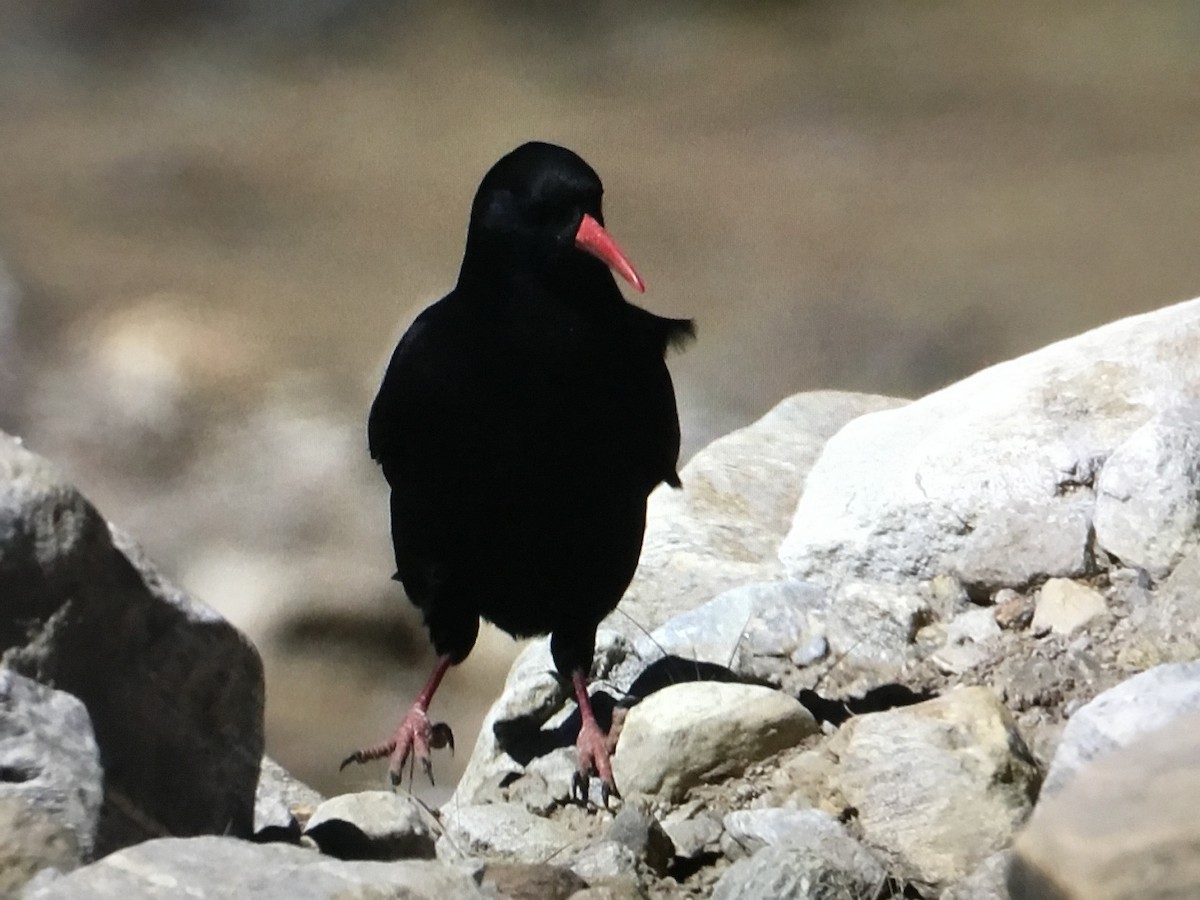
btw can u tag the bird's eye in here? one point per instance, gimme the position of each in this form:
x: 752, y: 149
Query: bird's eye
x: 542, y: 212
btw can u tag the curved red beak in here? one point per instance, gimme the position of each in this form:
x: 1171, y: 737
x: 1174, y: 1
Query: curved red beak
x: 592, y: 238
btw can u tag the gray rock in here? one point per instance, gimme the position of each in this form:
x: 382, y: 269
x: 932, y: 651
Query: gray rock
x: 643, y: 835
x: 938, y: 786
x: 604, y: 859
x: 527, y: 881
x: 51, y: 784
x: 503, y: 831
x: 282, y: 803
x: 1125, y: 828
x: 991, y: 478
x: 694, y: 835
x: 739, y: 493
x: 970, y: 639
x: 874, y: 625
x: 174, y: 692
x: 1064, y: 605
x: 216, y: 868
x: 1163, y: 622
x: 820, y: 863
x: 987, y: 882
x: 532, y: 695
x: 374, y: 825
x: 1148, y: 493
x: 689, y: 734
x: 1121, y: 715
x: 758, y: 828
x: 734, y: 630
x: 626, y: 888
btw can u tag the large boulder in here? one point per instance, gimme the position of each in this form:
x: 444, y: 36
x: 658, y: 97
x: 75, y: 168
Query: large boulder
x: 1000, y: 480
x: 1121, y: 715
x: 738, y: 498
x: 938, y: 786
x: 174, y: 692
x: 50, y: 781
x: 215, y: 868
x: 1125, y: 828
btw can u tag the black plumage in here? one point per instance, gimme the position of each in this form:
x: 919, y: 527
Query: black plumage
x: 521, y: 424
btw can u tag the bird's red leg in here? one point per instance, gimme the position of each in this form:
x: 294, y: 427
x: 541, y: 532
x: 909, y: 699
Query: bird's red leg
x: 592, y: 745
x: 415, y: 734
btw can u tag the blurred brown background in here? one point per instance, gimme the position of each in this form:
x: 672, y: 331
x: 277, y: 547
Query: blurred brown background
x: 216, y: 218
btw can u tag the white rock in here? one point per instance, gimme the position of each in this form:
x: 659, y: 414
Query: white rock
x: 986, y: 882
x: 777, y: 618
x: 51, y: 784
x: 218, y: 868
x: 739, y: 493
x: 938, y: 786
x: 1148, y: 493
x: 758, y: 828
x: 503, y: 830
x: 374, y: 825
x: 1064, y: 605
x: 991, y: 478
x: 1121, y: 715
x: 875, y: 623
x: 688, y: 734
x: 967, y: 637
x: 1124, y: 829
x: 603, y: 859
x: 814, y: 863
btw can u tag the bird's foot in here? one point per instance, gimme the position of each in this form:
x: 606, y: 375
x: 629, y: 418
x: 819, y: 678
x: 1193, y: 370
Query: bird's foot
x: 410, y: 744
x: 594, y: 759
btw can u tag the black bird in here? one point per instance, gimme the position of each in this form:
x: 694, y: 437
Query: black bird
x: 521, y: 424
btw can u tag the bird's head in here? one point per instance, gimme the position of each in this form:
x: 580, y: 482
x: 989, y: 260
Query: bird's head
x: 537, y: 214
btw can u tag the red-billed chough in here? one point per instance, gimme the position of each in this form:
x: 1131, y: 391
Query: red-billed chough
x: 521, y: 424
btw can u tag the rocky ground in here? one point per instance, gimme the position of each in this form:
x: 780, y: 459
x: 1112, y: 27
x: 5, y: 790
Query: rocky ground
x: 940, y: 649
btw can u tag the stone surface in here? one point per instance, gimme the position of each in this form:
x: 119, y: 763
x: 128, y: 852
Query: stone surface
x: 875, y: 624
x: 526, y: 881
x: 813, y: 863
x: 644, y: 835
x: 1148, y: 493
x: 282, y: 803
x: 938, y: 786
x: 217, y: 868
x: 987, y: 882
x: 758, y: 828
x: 532, y: 695
x: 1121, y: 715
x: 970, y: 641
x: 992, y: 478
x: 604, y: 859
x: 379, y: 825
x: 1064, y: 605
x: 739, y: 493
x: 51, y: 785
x: 174, y: 692
x: 735, y: 630
x: 694, y: 835
x: 1125, y: 828
x: 503, y: 831
x: 689, y: 734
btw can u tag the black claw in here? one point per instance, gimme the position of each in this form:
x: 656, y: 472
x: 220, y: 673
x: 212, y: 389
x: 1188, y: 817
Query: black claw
x: 352, y: 758
x: 427, y: 768
x: 609, y: 790
x: 579, y: 787
x: 395, y: 777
